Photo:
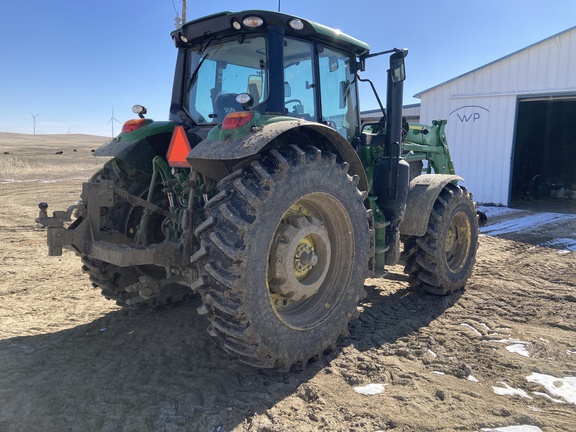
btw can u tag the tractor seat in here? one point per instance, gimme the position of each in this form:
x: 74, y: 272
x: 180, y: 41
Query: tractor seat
x: 224, y: 104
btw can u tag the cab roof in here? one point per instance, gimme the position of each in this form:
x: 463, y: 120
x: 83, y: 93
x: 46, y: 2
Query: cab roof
x: 221, y: 25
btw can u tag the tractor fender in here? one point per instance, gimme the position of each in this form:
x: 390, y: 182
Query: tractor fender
x: 209, y: 157
x: 422, y: 194
x: 139, y: 147
x: 138, y: 154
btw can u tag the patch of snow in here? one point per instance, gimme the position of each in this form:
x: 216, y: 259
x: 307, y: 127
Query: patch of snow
x: 438, y: 373
x: 497, y: 211
x: 472, y: 378
x: 525, y: 223
x: 510, y: 391
x: 518, y: 349
x: 561, y: 387
x: 432, y: 353
x: 370, y: 389
x: 519, y: 428
x: 514, y: 341
x: 570, y: 352
x: 472, y: 328
x: 566, y: 244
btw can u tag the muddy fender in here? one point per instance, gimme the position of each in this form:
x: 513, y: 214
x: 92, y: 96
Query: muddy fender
x: 208, y: 156
x: 422, y: 194
x: 139, y: 147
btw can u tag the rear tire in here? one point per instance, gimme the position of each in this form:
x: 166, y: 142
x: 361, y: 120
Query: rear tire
x: 441, y: 261
x: 283, y: 257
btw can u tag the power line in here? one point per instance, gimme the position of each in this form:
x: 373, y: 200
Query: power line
x: 174, y: 6
x: 177, y: 20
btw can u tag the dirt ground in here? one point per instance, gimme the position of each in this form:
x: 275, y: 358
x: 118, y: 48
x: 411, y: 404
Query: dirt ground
x: 72, y: 361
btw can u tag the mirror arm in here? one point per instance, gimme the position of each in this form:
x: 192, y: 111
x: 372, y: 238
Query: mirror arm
x: 373, y: 90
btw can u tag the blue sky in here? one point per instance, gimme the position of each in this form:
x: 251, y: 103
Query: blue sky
x: 73, y: 61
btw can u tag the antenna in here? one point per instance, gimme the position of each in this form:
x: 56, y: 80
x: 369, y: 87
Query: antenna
x: 112, y: 120
x: 279, y: 5
x: 34, y: 121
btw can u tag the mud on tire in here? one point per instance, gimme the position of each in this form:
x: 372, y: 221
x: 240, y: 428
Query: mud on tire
x: 283, y: 257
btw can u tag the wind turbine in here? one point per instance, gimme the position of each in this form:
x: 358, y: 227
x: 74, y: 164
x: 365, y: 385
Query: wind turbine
x: 112, y: 120
x: 34, y: 121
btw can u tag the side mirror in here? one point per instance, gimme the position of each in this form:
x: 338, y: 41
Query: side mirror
x: 255, y: 84
x: 344, y: 90
x: 333, y: 63
x: 397, y: 68
x: 287, y: 89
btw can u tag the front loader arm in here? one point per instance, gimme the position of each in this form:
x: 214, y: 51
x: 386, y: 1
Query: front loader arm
x: 424, y: 142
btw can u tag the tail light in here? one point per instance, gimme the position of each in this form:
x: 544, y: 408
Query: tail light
x: 134, y: 124
x: 237, y: 119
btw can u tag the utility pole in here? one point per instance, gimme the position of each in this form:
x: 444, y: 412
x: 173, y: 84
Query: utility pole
x: 184, y: 11
x: 34, y: 121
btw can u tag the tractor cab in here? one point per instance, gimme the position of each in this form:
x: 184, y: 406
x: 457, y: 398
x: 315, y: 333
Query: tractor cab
x: 269, y: 63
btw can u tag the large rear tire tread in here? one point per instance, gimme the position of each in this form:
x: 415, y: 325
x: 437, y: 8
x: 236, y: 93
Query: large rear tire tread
x: 233, y: 268
x: 436, y: 263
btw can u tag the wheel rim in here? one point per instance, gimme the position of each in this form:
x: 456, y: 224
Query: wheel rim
x: 310, y: 258
x: 458, y: 242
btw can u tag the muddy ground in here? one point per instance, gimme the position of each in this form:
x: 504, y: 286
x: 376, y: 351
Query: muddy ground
x: 72, y: 361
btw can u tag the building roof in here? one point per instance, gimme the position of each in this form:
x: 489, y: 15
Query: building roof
x: 419, y: 94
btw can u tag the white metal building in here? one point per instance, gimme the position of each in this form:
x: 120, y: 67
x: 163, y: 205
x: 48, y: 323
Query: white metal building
x: 512, y: 123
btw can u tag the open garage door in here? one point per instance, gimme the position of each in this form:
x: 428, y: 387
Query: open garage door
x: 544, y: 164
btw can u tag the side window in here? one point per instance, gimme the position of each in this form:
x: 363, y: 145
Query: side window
x: 338, y: 92
x: 299, y: 87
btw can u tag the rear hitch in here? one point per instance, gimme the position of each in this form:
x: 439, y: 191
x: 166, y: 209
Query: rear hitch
x: 58, y: 236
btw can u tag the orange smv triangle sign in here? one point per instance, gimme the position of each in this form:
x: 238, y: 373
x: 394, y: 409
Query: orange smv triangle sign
x: 179, y: 149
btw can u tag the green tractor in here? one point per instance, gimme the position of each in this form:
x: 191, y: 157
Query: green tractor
x: 266, y: 195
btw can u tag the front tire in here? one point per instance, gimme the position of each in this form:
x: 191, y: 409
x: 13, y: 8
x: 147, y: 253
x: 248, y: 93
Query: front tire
x: 441, y: 261
x: 283, y: 257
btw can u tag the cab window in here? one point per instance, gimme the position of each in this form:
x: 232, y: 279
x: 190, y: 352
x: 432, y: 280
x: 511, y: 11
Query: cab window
x: 299, y: 87
x: 338, y: 92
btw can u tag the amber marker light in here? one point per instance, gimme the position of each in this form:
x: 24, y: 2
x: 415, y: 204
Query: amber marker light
x: 237, y: 119
x: 132, y: 125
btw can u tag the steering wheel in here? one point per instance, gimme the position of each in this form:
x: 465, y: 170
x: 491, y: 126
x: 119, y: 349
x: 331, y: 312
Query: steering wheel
x: 293, y: 100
